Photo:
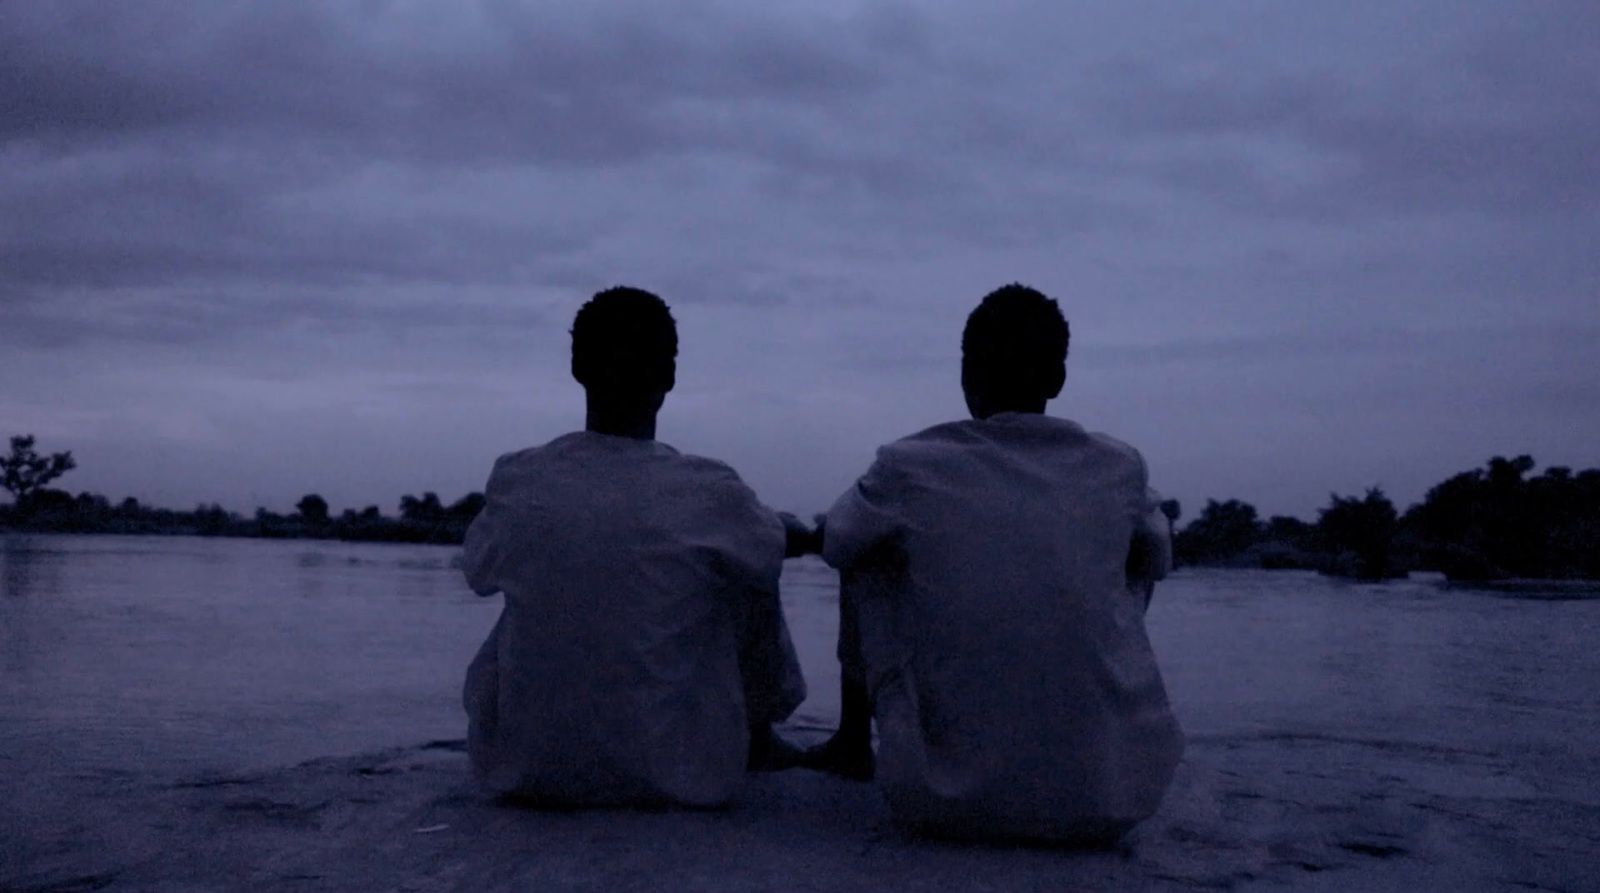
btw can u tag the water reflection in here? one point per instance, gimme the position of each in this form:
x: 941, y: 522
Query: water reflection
x: 177, y: 654
x: 25, y: 568
x: 21, y: 562
x: 171, y: 656
x: 1247, y: 653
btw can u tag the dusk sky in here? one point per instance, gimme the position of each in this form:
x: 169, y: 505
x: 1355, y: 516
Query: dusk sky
x: 251, y: 250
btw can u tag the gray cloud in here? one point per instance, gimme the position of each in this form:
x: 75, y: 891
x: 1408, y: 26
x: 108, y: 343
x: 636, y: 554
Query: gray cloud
x: 551, y: 84
x: 1495, y: 124
x: 174, y: 317
x: 1279, y: 233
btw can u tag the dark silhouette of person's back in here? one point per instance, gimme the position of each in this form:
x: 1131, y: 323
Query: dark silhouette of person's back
x: 995, y: 574
x: 642, y: 656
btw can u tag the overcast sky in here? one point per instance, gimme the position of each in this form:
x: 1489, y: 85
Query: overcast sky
x: 254, y: 250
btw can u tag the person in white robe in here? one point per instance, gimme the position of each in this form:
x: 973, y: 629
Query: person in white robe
x: 995, y: 576
x: 642, y: 655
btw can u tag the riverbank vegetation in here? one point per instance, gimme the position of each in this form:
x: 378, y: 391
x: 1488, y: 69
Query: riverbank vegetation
x: 37, y: 507
x: 421, y: 519
x: 1493, y: 523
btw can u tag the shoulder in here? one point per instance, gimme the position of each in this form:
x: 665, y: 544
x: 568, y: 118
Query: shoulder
x: 1121, y: 452
x: 510, y: 463
x: 531, y: 460
x: 711, y: 490
x: 1052, y: 433
x: 712, y: 470
x: 960, y: 431
x: 928, y: 442
x: 1114, y: 446
x: 533, y: 455
x: 519, y: 458
x: 713, y: 476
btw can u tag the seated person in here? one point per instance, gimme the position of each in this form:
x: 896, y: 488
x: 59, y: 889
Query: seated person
x: 642, y: 655
x: 994, y: 579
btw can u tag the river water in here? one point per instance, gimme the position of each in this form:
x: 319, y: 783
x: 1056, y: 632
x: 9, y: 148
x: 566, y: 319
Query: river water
x: 176, y: 657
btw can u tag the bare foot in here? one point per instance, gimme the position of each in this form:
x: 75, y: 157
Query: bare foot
x: 849, y: 758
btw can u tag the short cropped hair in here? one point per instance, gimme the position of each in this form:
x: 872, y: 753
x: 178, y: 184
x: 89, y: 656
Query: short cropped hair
x: 1016, y: 339
x: 624, y: 338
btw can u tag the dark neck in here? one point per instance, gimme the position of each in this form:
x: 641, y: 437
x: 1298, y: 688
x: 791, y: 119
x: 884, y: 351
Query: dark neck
x: 622, y: 418
x: 982, y: 410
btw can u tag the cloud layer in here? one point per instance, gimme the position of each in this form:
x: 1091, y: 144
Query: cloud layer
x: 252, y: 249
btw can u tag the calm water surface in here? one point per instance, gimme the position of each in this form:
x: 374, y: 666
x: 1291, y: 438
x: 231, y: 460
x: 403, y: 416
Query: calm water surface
x: 174, y: 657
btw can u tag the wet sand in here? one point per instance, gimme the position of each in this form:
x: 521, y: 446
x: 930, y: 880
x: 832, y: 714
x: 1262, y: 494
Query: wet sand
x: 1262, y: 812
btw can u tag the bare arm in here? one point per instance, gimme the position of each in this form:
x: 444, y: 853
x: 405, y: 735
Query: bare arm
x: 1150, y: 553
x: 480, y: 553
x: 798, y: 538
x: 479, y: 556
x: 859, y: 521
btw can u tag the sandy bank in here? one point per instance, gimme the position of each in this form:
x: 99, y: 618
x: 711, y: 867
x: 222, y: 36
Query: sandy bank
x: 1549, y: 590
x: 1247, y: 813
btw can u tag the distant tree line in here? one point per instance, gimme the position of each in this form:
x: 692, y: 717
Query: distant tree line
x: 37, y: 507
x: 1486, y: 524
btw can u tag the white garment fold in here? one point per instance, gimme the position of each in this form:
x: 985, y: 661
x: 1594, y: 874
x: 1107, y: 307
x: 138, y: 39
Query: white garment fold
x: 636, y: 578
x: 1000, y: 570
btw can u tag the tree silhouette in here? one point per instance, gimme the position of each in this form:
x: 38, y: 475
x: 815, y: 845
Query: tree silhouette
x: 1497, y: 522
x: 26, y: 472
x: 1290, y: 531
x: 1172, y: 509
x: 427, y: 510
x: 313, y: 509
x: 467, y: 507
x: 1223, y: 531
x: 1360, y: 534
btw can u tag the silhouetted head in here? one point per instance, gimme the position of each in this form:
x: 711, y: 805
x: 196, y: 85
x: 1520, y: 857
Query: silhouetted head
x: 625, y: 346
x: 1013, y: 352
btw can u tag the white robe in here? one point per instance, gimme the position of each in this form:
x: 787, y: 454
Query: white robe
x: 1016, y: 693
x: 636, y: 579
